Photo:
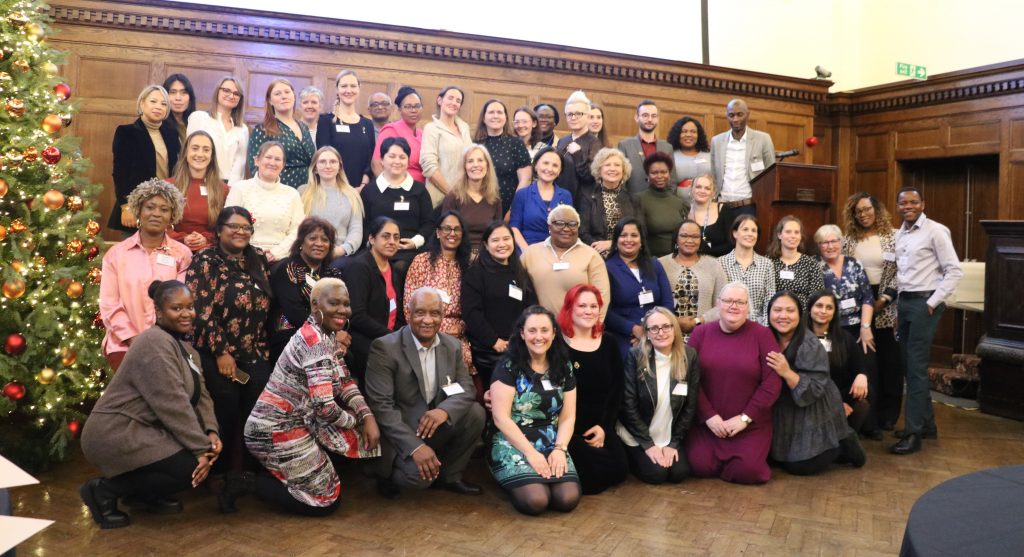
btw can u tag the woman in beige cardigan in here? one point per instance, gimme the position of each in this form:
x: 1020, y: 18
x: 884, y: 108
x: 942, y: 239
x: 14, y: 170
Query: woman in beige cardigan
x: 443, y: 141
x: 153, y: 432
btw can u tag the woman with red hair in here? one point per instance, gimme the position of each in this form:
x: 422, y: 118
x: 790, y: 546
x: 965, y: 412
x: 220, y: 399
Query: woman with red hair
x: 595, y: 448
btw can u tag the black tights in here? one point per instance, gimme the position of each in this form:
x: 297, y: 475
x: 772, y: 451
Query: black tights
x: 274, y: 491
x: 159, y: 479
x: 812, y: 465
x: 533, y: 499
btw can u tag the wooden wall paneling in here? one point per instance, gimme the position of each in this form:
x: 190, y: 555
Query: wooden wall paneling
x: 929, y: 138
x: 975, y: 133
x: 93, y: 77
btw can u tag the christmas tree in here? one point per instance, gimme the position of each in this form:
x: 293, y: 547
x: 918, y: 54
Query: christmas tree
x: 51, y: 368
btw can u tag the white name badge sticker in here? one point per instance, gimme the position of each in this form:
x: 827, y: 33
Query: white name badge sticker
x: 453, y: 389
x: 848, y: 303
x: 681, y: 389
x: 547, y: 385
x: 888, y: 256
x: 194, y: 367
x: 203, y: 191
x: 787, y: 275
x: 310, y: 281
x: 444, y: 296
x: 515, y: 292
x: 757, y: 166
x: 561, y: 266
x: 341, y: 128
x: 392, y: 305
x: 165, y: 260
x: 646, y: 297
x: 401, y: 205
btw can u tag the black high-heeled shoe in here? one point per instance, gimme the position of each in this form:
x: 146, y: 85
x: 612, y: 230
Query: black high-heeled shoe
x: 102, y: 504
x: 236, y: 484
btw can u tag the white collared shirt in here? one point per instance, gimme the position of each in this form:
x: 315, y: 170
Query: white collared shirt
x: 735, y: 185
x: 547, y: 242
x: 926, y: 260
x: 383, y: 184
x: 428, y: 363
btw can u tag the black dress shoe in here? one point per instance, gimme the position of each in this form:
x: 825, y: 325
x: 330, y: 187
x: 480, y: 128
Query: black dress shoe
x: 926, y: 434
x: 461, y: 487
x: 908, y: 445
x: 102, y: 505
x: 156, y: 505
x: 387, y: 489
x: 236, y: 484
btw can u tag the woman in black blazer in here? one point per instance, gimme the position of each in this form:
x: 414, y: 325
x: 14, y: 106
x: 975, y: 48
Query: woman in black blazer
x: 660, y: 367
x: 375, y: 288
x: 147, y: 148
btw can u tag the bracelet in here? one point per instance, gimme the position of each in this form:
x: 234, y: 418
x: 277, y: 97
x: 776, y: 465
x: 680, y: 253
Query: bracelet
x: 560, y: 448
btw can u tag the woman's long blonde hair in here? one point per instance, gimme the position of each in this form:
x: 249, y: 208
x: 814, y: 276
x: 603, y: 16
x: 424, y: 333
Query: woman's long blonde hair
x: 314, y: 194
x: 215, y: 195
x: 679, y: 363
x: 460, y: 189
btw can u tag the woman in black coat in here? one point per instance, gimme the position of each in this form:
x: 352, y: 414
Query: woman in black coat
x: 147, y: 148
x: 375, y: 288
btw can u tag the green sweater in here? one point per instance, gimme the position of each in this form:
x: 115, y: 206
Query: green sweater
x: 663, y: 213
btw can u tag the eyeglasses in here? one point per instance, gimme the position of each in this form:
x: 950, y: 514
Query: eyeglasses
x: 239, y: 227
x: 658, y: 329
x: 690, y: 236
x: 729, y: 303
x: 380, y: 104
x: 412, y: 107
x: 574, y: 115
x: 863, y: 210
x: 230, y: 93
x: 448, y: 230
x: 832, y: 242
x: 562, y: 225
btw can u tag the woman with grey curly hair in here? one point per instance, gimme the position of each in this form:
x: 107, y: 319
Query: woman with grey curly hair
x: 132, y: 264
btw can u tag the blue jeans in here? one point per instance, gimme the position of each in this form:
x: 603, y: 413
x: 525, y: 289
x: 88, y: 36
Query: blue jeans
x: 916, y: 331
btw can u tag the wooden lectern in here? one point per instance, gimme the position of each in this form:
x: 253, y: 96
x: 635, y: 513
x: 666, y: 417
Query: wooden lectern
x: 1001, y: 390
x: 802, y: 190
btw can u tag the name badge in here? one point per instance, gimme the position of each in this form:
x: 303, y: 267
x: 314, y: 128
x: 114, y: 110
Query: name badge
x: 203, y: 191
x: 826, y: 343
x: 888, y: 256
x: 194, y: 367
x: 646, y: 297
x: 681, y: 389
x: 848, y: 303
x: 547, y: 385
x: 787, y: 275
x: 453, y: 389
x: 757, y: 166
x: 515, y: 292
x: 341, y: 128
x: 401, y: 205
x: 444, y: 296
x: 310, y: 281
x: 561, y: 266
x: 165, y: 260
x: 392, y: 305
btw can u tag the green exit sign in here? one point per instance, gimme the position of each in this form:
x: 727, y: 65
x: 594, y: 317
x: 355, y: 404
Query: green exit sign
x: 910, y: 70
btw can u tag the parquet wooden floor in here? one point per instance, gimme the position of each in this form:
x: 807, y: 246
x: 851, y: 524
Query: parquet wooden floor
x: 844, y: 512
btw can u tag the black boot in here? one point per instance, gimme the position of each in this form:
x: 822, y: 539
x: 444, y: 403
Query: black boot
x: 102, y: 503
x: 853, y: 452
x: 236, y: 484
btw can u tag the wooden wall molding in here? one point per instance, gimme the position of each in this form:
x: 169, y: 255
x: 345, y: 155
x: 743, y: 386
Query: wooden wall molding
x: 628, y: 68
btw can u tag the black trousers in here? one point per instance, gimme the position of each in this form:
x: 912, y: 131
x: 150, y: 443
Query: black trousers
x: 649, y: 472
x: 599, y: 468
x: 159, y: 479
x: 890, y: 376
x: 232, y: 403
x: 870, y: 422
x: 274, y: 491
x: 812, y: 465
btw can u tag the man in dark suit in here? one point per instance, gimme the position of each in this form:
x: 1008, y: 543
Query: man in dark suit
x: 737, y: 156
x: 423, y: 398
x: 643, y: 144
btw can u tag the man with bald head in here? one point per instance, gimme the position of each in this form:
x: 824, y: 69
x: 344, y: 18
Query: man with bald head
x: 424, y: 400
x: 737, y: 156
x: 380, y: 108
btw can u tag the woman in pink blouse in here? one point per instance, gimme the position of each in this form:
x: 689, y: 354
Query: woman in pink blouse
x: 132, y: 264
x: 410, y: 107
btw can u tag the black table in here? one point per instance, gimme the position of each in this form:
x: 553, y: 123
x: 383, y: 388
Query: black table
x: 981, y: 513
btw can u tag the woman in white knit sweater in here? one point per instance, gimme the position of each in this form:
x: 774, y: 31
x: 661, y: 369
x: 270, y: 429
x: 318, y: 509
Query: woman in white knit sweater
x: 276, y: 208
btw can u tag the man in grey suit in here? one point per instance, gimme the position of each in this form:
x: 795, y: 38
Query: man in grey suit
x: 640, y: 146
x: 423, y: 398
x: 737, y: 156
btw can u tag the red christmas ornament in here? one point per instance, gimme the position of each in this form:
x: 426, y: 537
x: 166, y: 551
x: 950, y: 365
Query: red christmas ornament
x: 63, y: 91
x: 14, y: 391
x: 15, y: 344
x: 51, y: 155
x: 97, y: 322
x: 74, y: 426
x: 93, y: 252
x: 811, y: 141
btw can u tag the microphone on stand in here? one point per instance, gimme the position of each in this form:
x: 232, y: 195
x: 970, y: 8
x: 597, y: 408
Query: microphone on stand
x: 780, y: 156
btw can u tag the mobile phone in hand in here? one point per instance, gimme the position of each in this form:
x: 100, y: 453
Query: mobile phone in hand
x: 241, y: 376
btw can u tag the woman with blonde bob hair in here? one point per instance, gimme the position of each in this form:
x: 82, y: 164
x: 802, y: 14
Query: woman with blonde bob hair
x: 662, y: 379
x: 328, y: 194
x: 474, y: 193
x: 609, y: 202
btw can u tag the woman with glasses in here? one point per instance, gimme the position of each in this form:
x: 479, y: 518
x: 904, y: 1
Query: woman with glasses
x: 532, y: 204
x: 443, y: 141
x: 733, y: 433
x: 547, y: 121
x: 562, y: 261
x: 795, y: 271
x: 578, y: 149
x: 662, y: 382
x: 226, y: 125
x: 232, y: 301
x: 410, y: 108
x: 695, y: 279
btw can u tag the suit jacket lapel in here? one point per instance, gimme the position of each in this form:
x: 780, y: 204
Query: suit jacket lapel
x: 409, y: 349
x: 443, y: 369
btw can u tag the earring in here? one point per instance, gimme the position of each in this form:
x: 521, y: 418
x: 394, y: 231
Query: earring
x: 321, y: 317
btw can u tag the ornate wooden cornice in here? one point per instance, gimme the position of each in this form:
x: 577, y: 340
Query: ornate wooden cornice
x: 273, y: 28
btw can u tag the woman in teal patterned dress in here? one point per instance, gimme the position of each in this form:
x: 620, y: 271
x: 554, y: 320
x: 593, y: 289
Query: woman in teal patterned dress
x: 533, y: 395
x: 279, y: 124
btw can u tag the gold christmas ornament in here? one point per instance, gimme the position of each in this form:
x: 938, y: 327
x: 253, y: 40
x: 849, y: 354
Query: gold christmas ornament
x: 68, y: 357
x: 19, y: 19
x: 18, y: 226
x: 31, y: 154
x: 14, y: 288
x: 75, y: 246
x: 40, y: 261
x: 50, y: 69
x: 3, y: 232
x: 17, y: 266
x: 94, y: 275
x: 34, y: 30
x: 53, y: 200
x: 75, y: 289
x: 52, y: 123
x: 92, y: 227
x: 46, y: 376
x: 75, y: 203
x: 3, y: 187
x: 15, y: 108
x: 21, y: 65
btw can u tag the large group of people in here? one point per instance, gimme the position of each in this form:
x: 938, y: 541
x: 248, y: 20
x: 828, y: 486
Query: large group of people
x: 371, y: 288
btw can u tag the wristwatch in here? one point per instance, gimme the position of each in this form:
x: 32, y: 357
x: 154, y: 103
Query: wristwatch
x: 746, y: 419
x: 866, y: 326
x: 697, y: 321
